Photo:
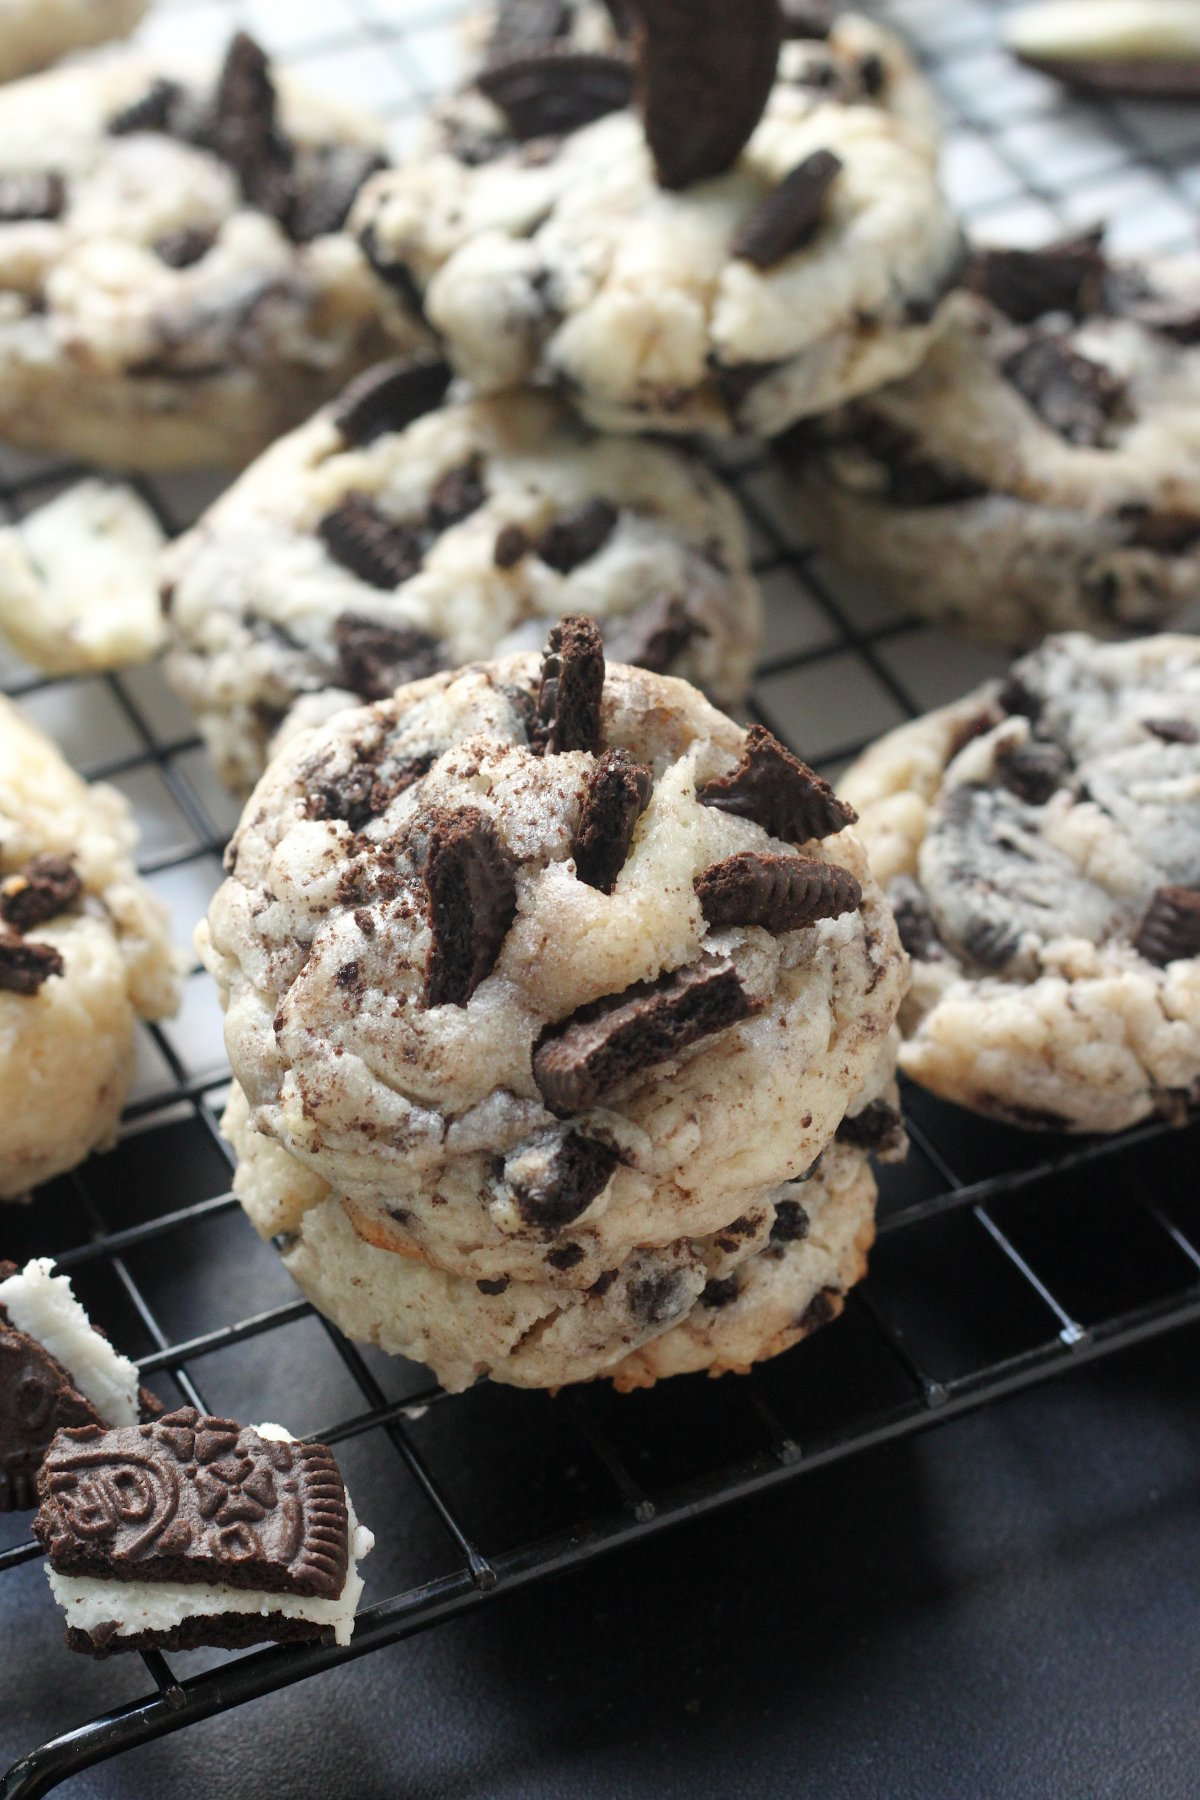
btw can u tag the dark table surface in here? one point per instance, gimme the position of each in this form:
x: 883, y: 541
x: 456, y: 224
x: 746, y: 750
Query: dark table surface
x: 1005, y: 1606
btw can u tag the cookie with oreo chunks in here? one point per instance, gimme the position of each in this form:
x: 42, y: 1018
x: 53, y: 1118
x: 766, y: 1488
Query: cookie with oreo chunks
x: 719, y: 1303
x: 701, y: 284
x: 35, y: 33
x: 507, y: 1046
x: 178, y: 288
x: 1041, y: 470
x: 84, y: 954
x: 190, y: 1530
x: 392, y: 536
x: 1040, y: 843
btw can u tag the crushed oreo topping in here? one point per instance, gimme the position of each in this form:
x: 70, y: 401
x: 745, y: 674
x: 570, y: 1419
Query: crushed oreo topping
x: 471, y: 901
x: 377, y: 549
x: 577, y: 535
x: 320, y: 202
x: 618, y: 790
x: 155, y: 110
x: 1076, y: 397
x: 40, y: 891
x: 1063, y: 277
x: 360, y: 794
x: 1034, y: 770
x: 556, y: 1180
x: 25, y: 966
x: 779, y: 893
x: 705, y: 74
x: 655, y: 636
x: 877, y: 1127
x: 243, y: 128
x: 30, y: 194
x: 788, y: 218
x: 719, y: 1292
x: 375, y: 658
x: 1173, y: 731
x: 777, y: 791
x: 553, y: 90
x: 193, y: 1498
x: 187, y: 245
x: 570, y: 689
x: 1170, y: 929
x: 511, y: 547
x: 578, y: 1061
x: 791, y: 1224
x: 391, y: 396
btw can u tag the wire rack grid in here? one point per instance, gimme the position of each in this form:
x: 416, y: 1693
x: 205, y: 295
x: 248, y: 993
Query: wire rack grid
x: 1003, y: 1259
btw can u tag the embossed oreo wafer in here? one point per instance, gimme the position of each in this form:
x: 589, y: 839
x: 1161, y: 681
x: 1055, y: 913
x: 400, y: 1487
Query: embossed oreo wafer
x: 780, y: 893
x: 777, y: 791
x: 572, y: 682
x: 705, y: 72
x: 195, y: 1530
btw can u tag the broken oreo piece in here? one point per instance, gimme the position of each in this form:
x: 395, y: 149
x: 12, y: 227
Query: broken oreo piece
x: 777, y: 791
x: 779, y: 893
x: 877, y: 1127
x: 30, y: 194
x: 471, y: 899
x: 25, y: 966
x: 456, y: 495
x: 40, y: 891
x: 582, y: 1059
x: 1076, y: 397
x: 619, y: 788
x: 321, y: 203
x: 552, y: 91
x: 1170, y: 929
x: 377, y: 549
x: 571, y: 687
x: 511, y: 546
x: 787, y: 219
x: 1067, y: 276
x: 524, y: 25
x: 182, y: 248
x: 655, y: 636
x: 375, y: 658
x: 152, y: 111
x: 391, y: 396
x: 1034, y: 770
x: 557, y: 1178
x: 1173, y: 731
x: 37, y: 1399
x: 243, y: 129
x: 705, y: 74
x: 575, y: 536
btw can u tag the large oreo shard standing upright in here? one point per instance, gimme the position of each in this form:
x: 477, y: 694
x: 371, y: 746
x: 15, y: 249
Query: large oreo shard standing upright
x: 705, y: 72
x: 572, y: 683
x: 777, y: 791
x: 244, y: 129
x: 618, y: 791
x: 471, y: 900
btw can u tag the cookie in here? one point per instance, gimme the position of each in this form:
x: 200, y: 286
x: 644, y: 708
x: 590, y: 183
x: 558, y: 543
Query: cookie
x: 509, y: 1053
x: 1042, y: 468
x: 686, y: 265
x: 35, y: 33
x: 79, y: 581
x: 1146, y: 48
x: 392, y: 536
x: 719, y: 1303
x: 1040, y: 844
x: 192, y: 1530
x: 84, y: 952
x: 175, y: 286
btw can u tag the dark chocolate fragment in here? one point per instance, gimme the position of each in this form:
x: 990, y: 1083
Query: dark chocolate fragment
x: 497, y: 1286
x: 1063, y: 277
x: 1076, y: 397
x: 377, y: 549
x: 873, y: 74
x: 193, y: 1498
x: 1168, y: 533
x: 777, y: 791
x: 1170, y: 929
x: 40, y: 891
x: 37, y: 1398
x: 780, y: 893
x: 719, y: 1292
x: 603, y: 1282
x: 471, y: 900
x: 360, y: 794
x: 571, y: 686
x: 552, y: 91
x: 456, y: 495
x: 618, y: 789
x: 523, y: 25
x: 565, y: 1256
x: 391, y: 396
x: 1019, y: 700
x: 577, y: 535
x: 807, y: 18
x: 580, y: 1060
x: 788, y: 218
x: 321, y: 202
x: 554, y: 1189
x: 655, y: 636
x: 30, y: 194
x: 155, y: 110
x: 1173, y: 731
x: 1033, y: 770
x: 705, y: 73
x: 877, y: 1127
x: 374, y: 658
x: 181, y: 248
x: 823, y: 1307
x: 243, y: 129
x: 25, y: 966
x: 791, y: 1224
x: 512, y: 544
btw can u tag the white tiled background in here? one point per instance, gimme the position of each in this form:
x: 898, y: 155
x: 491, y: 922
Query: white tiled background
x: 1022, y: 160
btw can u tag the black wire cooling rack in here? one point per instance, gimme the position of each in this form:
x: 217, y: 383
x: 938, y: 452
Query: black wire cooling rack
x: 1003, y: 1258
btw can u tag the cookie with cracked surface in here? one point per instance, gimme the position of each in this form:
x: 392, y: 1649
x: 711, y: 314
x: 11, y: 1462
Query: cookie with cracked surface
x: 457, y: 533
x: 84, y: 953
x: 1041, y: 470
x: 176, y: 288
x: 35, y: 33
x: 1040, y: 842
x: 701, y: 287
x: 605, y: 1067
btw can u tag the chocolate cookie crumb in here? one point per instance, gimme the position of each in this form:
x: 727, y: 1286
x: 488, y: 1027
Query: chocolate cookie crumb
x: 787, y: 219
x: 779, y: 893
x: 1076, y: 397
x: 655, y: 636
x: 554, y: 1189
x: 1170, y: 929
x: 575, y: 536
x: 377, y: 549
x: 719, y: 1292
x: 25, y: 966
x: 498, y: 1286
x: 471, y: 902
x: 512, y: 545
x: 40, y: 891
x: 374, y: 658
x: 571, y: 686
x: 618, y: 790
x: 791, y: 1223
x: 1033, y: 770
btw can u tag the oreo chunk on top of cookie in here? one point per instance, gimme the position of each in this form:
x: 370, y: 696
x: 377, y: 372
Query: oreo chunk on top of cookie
x: 778, y: 791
